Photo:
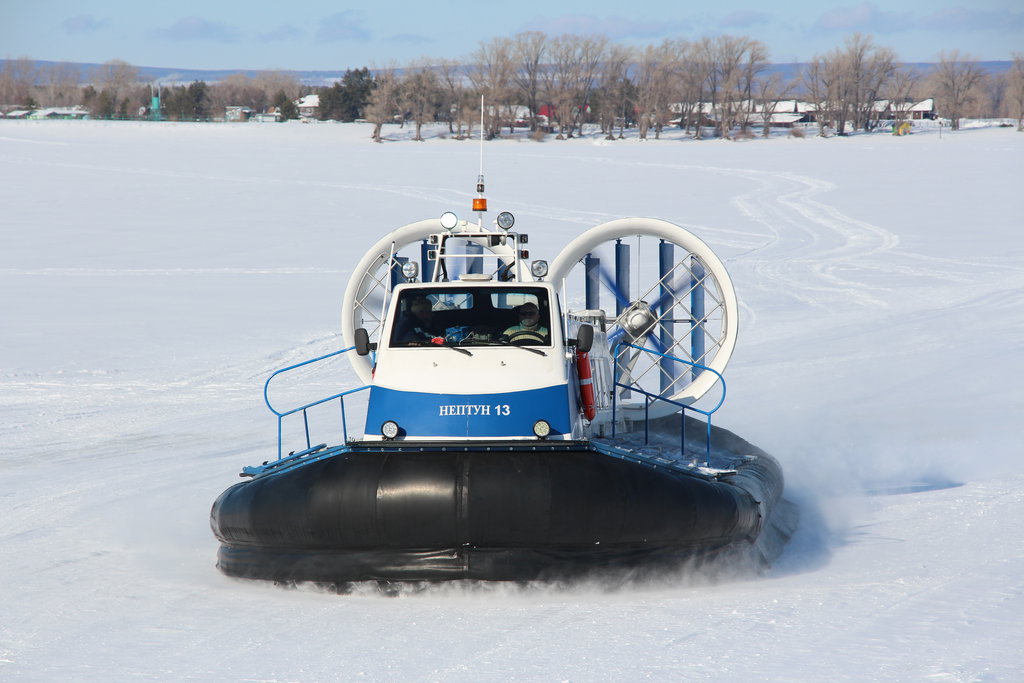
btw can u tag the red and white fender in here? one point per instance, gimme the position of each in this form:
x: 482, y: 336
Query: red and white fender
x: 587, y: 399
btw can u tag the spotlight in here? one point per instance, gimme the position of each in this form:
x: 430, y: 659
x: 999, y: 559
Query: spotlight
x: 449, y: 220
x: 389, y: 430
x: 506, y: 220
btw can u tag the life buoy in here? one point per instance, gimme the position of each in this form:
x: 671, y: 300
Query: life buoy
x: 586, y: 386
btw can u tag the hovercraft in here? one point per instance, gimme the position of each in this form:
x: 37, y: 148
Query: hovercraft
x: 510, y: 432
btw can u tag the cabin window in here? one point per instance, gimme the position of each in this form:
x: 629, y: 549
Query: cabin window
x: 431, y: 317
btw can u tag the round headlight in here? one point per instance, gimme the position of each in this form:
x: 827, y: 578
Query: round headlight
x: 539, y: 268
x: 506, y: 220
x: 449, y: 220
x: 410, y: 269
x: 389, y: 429
x: 541, y: 429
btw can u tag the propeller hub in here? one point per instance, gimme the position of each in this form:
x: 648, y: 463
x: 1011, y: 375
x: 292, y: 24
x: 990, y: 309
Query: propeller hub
x: 638, y: 320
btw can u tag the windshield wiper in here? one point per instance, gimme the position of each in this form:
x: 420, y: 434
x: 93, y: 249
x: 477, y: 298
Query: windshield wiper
x: 524, y: 348
x: 453, y: 347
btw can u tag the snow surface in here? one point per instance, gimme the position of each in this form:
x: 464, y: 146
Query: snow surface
x: 153, y: 275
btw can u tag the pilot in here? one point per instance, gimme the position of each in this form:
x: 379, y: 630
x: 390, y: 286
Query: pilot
x: 529, y: 330
x: 417, y: 326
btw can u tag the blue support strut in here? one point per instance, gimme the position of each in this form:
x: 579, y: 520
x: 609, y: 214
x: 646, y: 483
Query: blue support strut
x: 621, y: 276
x: 623, y: 298
x: 475, y: 263
x: 426, y: 265
x: 592, y: 269
x: 697, y: 320
x: 666, y: 312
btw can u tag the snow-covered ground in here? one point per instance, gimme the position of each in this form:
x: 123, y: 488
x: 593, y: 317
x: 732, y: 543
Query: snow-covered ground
x: 153, y: 275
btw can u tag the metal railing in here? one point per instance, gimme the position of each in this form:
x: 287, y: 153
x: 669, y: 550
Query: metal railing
x: 305, y: 408
x: 651, y: 398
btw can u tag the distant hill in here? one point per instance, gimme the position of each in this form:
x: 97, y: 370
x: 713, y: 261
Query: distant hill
x: 175, y: 75
x: 328, y: 77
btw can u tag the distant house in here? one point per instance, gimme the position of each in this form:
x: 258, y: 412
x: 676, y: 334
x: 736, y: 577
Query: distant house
x: 788, y: 113
x: 237, y: 114
x: 308, y: 106
x: 68, y: 113
x: 886, y: 109
x: 925, y: 109
x: 268, y: 117
x: 785, y: 114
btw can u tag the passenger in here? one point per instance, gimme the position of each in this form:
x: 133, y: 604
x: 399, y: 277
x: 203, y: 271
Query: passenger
x: 529, y: 330
x: 417, y: 326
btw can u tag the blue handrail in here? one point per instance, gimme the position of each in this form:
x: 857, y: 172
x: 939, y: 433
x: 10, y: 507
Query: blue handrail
x: 650, y: 398
x: 305, y: 417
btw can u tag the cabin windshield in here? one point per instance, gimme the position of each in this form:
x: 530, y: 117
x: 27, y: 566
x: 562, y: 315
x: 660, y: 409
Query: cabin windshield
x: 477, y: 316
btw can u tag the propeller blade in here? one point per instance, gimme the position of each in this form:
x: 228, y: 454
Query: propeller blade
x: 680, y: 284
x: 655, y: 342
x: 613, y: 287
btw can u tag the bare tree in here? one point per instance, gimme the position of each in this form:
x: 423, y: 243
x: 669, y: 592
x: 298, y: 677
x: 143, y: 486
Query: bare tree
x: 992, y: 100
x: 1015, y: 89
x: 491, y: 75
x: 591, y: 54
x: 612, y: 91
x: 16, y: 81
x: 700, y: 80
x: 570, y: 80
x: 238, y: 90
x: 59, y: 85
x: 116, y: 76
x: 955, y: 82
x: 820, y: 79
x: 855, y: 75
x: 735, y: 63
x: 689, y: 87
x: 901, y: 91
x: 421, y: 96
x: 529, y: 50
x: 272, y: 82
x: 384, y: 99
x: 768, y: 92
x: 711, y: 70
x: 453, y: 95
x: 557, y: 83
x: 755, y: 61
x: 653, y: 80
x: 730, y: 65
x: 115, y: 80
x: 867, y: 69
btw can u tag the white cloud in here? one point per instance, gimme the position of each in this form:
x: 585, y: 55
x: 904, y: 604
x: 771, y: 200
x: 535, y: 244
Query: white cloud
x: 198, y: 29
x: 865, y: 17
x: 343, y: 26
x: 965, y: 18
x: 83, y: 23
x: 615, y: 28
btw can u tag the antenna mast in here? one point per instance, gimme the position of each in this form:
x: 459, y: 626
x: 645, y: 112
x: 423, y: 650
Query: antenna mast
x: 480, y: 202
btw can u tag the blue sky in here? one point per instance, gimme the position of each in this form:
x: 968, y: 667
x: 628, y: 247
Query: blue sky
x: 311, y: 34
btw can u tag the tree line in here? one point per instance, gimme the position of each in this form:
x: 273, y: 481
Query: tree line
x: 115, y: 91
x: 722, y: 86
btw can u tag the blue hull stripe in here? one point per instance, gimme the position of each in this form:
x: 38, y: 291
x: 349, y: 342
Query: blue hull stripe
x: 506, y: 414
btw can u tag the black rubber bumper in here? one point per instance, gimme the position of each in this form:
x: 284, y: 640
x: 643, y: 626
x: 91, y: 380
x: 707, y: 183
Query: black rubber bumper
x: 446, y: 514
